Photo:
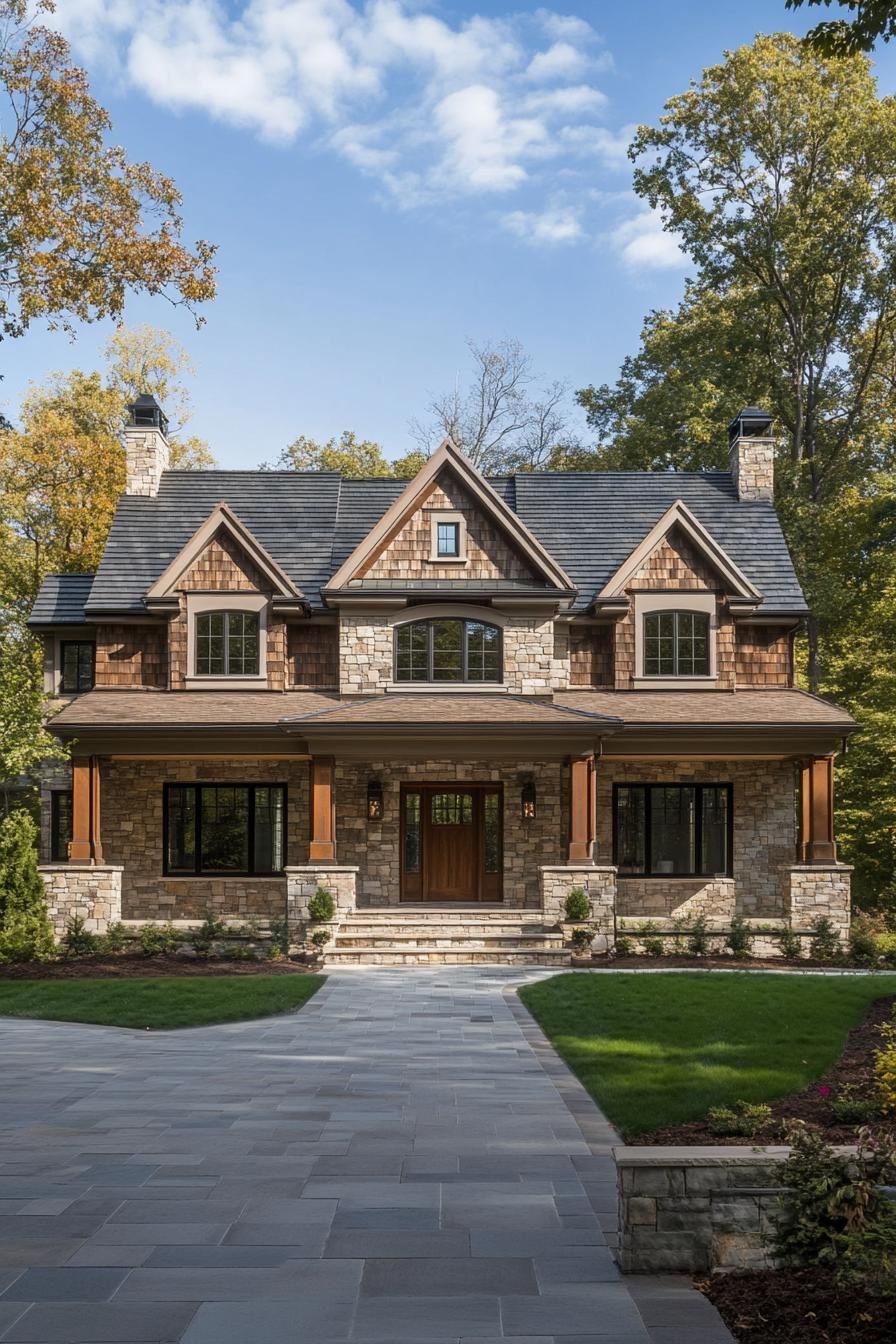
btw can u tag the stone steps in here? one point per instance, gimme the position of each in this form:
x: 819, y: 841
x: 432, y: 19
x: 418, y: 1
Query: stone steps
x: 408, y: 935
x: 438, y: 938
x: 421, y: 955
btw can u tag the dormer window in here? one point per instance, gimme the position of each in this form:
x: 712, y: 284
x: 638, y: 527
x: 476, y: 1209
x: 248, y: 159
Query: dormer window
x: 227, y: 644
x: 448, y: 650
x: 448, y: 537
x: 448, y: 540
x: 676, y: 644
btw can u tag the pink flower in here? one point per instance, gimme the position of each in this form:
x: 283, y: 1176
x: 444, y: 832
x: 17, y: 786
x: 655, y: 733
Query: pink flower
x: 824, y: 1091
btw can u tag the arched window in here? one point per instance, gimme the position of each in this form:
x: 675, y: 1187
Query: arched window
x: 448, y: 649
x: 676, y: 644
x: 227, y: 644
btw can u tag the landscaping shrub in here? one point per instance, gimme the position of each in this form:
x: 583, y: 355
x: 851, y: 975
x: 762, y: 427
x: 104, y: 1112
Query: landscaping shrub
x: 885, y: 948
x: 320, y: 938
x: 321, y: 907
x: 824, y: 945
x: 158, y: 939
x: 791, y: 944
x: 744, y: 1118
x: 210, y: 931
x: 581, y: 940
x: 849, y: 1106
x: 78, y: 941
x: 577, y: 906
x: 623, y: 947
x: 25, y: 930
x: 862, y: 941
x: 740, y: 938
x: 279, y: 938
x: 114, y: 940
x: 698, y: 938
x: 885, y: 1069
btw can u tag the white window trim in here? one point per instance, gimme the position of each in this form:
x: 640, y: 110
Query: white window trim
x: 198, y: 603
x: 685, y: 600
x: 437, y: 516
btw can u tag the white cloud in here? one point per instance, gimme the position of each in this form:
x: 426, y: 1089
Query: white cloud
x: 562, y: 224
x: 643, y: 244
x: 430, y: 109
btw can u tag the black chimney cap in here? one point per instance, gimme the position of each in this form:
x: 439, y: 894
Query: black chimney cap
x: 751, y: 423
x: 146, y: 412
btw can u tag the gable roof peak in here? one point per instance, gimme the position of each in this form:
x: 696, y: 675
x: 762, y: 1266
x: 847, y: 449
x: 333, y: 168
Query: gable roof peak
x: 223, y: 517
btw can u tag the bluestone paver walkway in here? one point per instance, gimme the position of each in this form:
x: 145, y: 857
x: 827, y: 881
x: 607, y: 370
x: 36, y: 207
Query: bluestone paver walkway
x: 402, y: 1160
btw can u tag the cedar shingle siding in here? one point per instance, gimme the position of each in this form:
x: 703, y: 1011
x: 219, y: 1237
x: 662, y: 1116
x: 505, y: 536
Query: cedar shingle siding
x: 313, y: 655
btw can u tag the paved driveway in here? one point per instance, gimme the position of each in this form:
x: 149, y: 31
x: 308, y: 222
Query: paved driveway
x: 393, y: 1163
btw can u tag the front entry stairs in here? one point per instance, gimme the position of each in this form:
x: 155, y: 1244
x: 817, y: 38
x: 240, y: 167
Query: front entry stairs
x: 415, y: 935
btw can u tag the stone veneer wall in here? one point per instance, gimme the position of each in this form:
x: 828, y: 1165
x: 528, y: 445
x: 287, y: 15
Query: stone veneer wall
x: 599, y: 883
x: 303, y: 880
x: 91, y: 892
x: 690, y: 1210
x: 764, y: 840
x: 820, y: 892
x: 147, y: 455
x: 132, y: 837
x: 375, y: 848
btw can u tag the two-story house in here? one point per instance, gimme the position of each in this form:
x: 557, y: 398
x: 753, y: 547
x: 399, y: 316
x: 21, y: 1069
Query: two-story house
x: 448, y: 700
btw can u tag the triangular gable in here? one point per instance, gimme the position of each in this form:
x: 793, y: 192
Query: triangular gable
x: 414, y: 496
x: 679, y: 516
x: 222, y: 518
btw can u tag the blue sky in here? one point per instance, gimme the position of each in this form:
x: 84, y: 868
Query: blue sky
x: 388, y: 179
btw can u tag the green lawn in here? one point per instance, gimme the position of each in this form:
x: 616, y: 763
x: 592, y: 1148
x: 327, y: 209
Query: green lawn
x: 661, y: 1049
x: 159, y: 1002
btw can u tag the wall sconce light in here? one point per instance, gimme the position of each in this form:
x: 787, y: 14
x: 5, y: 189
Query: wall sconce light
x: 528, y: 800
x: 374, y: 800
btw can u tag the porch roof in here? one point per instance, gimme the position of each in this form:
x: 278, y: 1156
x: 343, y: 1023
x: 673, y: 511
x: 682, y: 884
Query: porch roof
x: 751, y: 708
x: 451, y: 712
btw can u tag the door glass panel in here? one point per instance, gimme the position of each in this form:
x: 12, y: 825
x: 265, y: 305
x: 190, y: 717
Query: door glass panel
x: 672, y: 830
x: 492, y: 821
x: 452, y: 809
x: 412, y: 832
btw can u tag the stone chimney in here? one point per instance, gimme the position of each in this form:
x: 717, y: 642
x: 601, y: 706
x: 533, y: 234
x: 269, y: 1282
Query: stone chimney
x: 751, y: 454
x: 146, y: 446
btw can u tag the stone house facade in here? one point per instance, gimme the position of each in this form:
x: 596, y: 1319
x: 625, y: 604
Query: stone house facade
x: 451, y: 700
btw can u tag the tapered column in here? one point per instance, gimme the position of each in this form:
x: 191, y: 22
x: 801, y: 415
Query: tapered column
x: 580, y: 809
x: 86, y: 844
x: 323, y: 810
x: 816, y: 842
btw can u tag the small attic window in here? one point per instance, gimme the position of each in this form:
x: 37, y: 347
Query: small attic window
x: 448, y: 537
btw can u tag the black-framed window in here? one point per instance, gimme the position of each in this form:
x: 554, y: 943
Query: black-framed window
x: 78, y: 660
x: 448, y: 539
x: 673, y: 830
x: 236, y: 829
x: 448, y: 649
x: 227, y: 644
x: 60, y: 824
x: 676, y: 644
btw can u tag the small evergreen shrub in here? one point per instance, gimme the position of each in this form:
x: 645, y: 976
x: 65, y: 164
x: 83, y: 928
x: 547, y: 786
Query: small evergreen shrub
x: 791, y: 944
x: 745, y: 1119
x: 321, y: 907
x: 849, y: 1106
x: 862, y: 941
x: 824, y: 945
x: 114, y: 940
x: 320, y: 938
x: 279, y: 938
x: 581, y: 940
x: 653, y: 946
x: 577, y: 905
x: 740, y: 938
x: 623, y: 946
x: 78, y: 941
x: 698, y: 938
x: 210, y: 931
x: 25, y: 930
x: 158, y: 939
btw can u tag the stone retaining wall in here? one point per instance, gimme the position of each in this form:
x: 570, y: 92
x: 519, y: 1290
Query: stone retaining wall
x: 304, y: 879
x: 820, y: 891
x: 599, y: 883
x: 93, y: 893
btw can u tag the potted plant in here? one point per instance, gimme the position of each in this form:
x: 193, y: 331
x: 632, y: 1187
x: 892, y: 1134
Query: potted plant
x: 321, y: 911
x: 318, y: 940
x: 581, y: 938
x: 576, y: 912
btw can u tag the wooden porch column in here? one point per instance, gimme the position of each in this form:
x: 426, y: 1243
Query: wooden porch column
x: 323, y: 810
x: 86, y: 844
x: 580, y: 809
x: 816, y: 842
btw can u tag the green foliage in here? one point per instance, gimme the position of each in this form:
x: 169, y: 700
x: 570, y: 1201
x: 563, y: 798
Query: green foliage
x: 872, y: 19
x: 582, y: 939
x: 862, y: 941
x: 24, y: 741
x: 885, y: 1069
x: 158, y: 939
x: 25, y: 932
x: 885, y: 947
x: 577, y: 905
x: 832, y: 1199
x: 791, y: 944
x: 77, y: 940
x: 320, y: 938
x: 279, y: 937
x: 348, y: 455
x: 210, y: 931
x: 322, y: 906
x: 623, y: 946
x: 824, y: 945
x: 850, y: 1106
x: 698, y: 937
x: 745, y: 1118
x: 114, y: 940
x: 740, y: 938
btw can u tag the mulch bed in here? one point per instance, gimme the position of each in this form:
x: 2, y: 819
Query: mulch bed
x: 805, y: 1305
x: 133, y: 967
x: 855, y: 1067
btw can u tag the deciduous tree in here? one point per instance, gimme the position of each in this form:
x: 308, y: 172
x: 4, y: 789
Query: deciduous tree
x: 348, y: 455
x: 874, y: 19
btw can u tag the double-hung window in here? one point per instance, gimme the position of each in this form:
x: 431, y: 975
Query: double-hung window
x: 227, y: 644
x: 672, y: 830
x: 236, y: 829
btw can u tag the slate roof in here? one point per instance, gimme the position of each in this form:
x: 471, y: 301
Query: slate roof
x: 310, y: 522
x: 61, y: 600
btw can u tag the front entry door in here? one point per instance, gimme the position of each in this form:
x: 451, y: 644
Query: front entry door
x: 451, y: 842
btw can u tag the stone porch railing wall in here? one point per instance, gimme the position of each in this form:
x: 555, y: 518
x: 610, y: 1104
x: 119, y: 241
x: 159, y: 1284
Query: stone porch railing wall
x: 91, y: 892
x: 304, y: 879
x: 599, y: 884
x: 820, y: 891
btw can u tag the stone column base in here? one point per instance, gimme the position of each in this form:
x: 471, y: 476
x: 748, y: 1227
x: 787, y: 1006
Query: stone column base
x: 819, y: 890
x: 303, y: 880
x: 597, y: 881
x: 91, y: 891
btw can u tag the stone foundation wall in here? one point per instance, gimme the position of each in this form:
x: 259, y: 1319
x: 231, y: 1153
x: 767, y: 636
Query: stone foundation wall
x: 820, y: 892
x: 132, y: 837
x: 375, y: 847
x: 598, y: 883
x: 692, y: 1210
x: 93, y: 893
x: 303, y: 880
x: 764, y: 795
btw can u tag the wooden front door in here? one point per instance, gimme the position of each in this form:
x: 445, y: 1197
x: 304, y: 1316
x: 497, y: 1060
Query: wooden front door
x: 451, y: 842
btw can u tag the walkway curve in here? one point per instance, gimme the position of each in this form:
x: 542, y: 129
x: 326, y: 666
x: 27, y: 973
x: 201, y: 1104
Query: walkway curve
x: 405, y: 1159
